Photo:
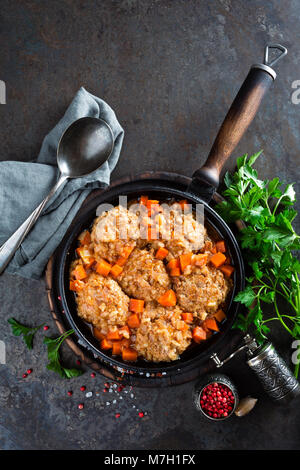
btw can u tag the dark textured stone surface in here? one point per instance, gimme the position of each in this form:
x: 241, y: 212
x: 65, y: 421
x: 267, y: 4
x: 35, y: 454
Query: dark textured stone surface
x: 170, y: 69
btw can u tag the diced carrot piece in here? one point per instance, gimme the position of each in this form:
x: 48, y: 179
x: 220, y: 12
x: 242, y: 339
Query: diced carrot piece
x: 98, y: 334
x: 90, y: 264
x: 79, y: 272
x: 116, y: 270
x: 125, y: 343
x: 161, y: 253
x: 143, y: 200
x: 187, y: 317
x: 185, y: 260
x: 183, y: 203
x: 152, y: 233
x: 117, y: 348
x: 211, y: 324
x: 174, y: 263
x: 175, y: 272
x: 103, y: 267
x: 214, y: 250
x: 85, y: 238
x: 199, y: 334
x: 106, y: 344
x: 124, y: 331
x: 220, y: 246
x: 218, y: 259
x: 114, y: 334
x: 200, y: 260
x: 136, y: 305
x: 133, y: 321
x: 153, y: 207
x: 159, y: 220
x: 127, y: 251
x: 182, y: 326
x: 121, y: 261
x: 84, y: 254
x: 168, y: 299
x: 219, y: 315
x: 152, y: 202
x: 208, y: 332
x: 76, y: 285
x: 129, y: 354
x: 227, y: 270
x: 124, y: 255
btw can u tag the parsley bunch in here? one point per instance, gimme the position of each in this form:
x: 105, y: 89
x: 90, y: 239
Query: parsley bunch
x: 269, y: 245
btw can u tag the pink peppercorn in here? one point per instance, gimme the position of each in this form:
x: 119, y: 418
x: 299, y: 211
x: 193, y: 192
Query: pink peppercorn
x: 217, y: 400
x: 78, y: 362
x: 70, y: 393
x: 46, y: 327
x: 141, y: 414
x: 118, y: 415
x: 24, y: 376
x: 93, y: 375
x: 29, y: 371
x: 82, y: 388
x: 80, y: 406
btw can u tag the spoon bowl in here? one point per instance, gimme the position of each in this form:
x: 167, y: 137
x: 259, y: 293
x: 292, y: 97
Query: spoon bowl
x: 84, y: 146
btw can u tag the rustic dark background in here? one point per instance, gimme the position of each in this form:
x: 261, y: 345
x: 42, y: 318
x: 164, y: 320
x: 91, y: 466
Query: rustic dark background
x: 170, y: 69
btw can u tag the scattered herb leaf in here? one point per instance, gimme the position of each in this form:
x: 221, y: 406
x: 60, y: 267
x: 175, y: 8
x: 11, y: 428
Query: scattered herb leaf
x: 21, y: 330
x: 55, y: 364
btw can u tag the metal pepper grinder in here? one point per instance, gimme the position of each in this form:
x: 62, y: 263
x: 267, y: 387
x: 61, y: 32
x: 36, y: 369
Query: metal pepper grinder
x: 276, y: 378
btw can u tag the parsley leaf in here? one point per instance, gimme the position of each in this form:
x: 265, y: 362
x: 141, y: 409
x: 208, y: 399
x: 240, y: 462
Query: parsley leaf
x: 21, y: 330
x: 55, y: 364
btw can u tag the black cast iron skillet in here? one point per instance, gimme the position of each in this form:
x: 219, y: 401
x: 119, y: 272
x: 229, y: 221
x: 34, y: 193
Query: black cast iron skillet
x: 204, y: 183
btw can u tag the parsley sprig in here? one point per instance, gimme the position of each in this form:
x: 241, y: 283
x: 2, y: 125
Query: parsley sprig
x: 26, y: 331
x: 269, y: 244
x: 53, y: 346
x: 55, y: 364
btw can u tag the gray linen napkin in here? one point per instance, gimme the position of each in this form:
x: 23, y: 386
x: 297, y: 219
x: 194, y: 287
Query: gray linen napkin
x: 24, y: 185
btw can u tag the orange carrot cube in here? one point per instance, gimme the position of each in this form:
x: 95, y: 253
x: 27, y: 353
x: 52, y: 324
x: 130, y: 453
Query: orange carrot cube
x: 116, y: 271
x: 161, y: 253
x: 168, y: 299
x: 133, y: 321
x: 136, y: 305
x: 199, y: 334
x: 218, y: 259
x: 103, y: 267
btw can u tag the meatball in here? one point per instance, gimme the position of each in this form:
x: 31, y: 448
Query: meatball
x: 202, y: 291
x: 180, y: 231
x: 144, y: 277
x: 162, y: 335
x: 113, y: 231
x: 102, y: 303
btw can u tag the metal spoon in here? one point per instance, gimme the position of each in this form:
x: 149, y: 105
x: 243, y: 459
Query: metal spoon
x: 85, y: 145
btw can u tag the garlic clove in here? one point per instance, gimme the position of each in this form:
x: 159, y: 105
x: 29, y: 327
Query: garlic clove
x: 245, y: 406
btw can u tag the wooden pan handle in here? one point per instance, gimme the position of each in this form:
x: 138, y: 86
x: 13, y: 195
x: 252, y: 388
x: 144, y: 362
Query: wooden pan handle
x: 236, y: 122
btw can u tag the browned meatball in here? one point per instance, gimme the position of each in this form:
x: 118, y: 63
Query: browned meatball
x: 144, y: 277
x: 202, y: 291
x: 162, y: 335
